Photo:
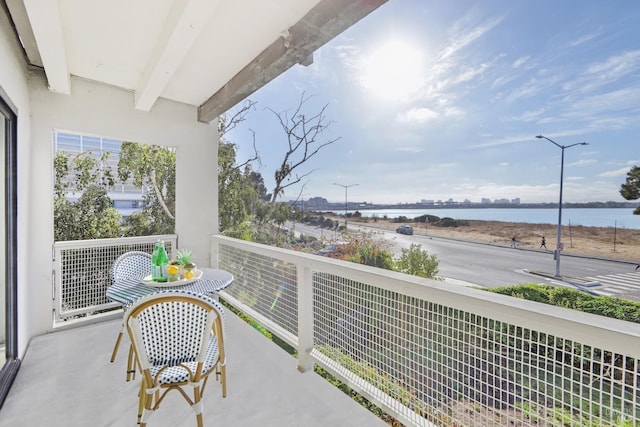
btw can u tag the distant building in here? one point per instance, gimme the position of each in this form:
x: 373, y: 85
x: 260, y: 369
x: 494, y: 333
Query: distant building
x: 515, y: 201
x: 485, y: 201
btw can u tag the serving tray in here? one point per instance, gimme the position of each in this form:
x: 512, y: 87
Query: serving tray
x: 197, y: 274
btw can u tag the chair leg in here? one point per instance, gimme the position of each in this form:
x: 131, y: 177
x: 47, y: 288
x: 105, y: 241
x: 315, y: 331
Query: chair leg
x: 223, y: 379
x: 197, y: 397
x: 142, y: 402
x: 116, y: 346
x: 131, y: 365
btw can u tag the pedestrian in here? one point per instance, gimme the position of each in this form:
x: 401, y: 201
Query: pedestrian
x: 543, y: 243
x: 513, y: 242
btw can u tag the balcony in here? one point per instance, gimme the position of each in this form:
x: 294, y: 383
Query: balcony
x: 66, y: 380
x: 426, y: 352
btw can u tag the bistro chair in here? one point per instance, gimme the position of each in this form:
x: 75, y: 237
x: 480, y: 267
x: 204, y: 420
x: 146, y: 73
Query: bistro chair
x: 130, y: 265
x: 178, y: 341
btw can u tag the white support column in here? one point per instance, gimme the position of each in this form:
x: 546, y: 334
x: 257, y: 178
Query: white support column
x: 305, y: 318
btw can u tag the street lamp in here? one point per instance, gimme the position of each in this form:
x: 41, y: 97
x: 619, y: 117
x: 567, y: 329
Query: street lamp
x: 345, y: 201
x: 559, y: 242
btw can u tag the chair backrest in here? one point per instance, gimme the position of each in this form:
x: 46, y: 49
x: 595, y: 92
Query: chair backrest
x: 133, y: 264
x: 173, y: 327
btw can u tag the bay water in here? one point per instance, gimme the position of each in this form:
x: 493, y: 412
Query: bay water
x: 590, y: 217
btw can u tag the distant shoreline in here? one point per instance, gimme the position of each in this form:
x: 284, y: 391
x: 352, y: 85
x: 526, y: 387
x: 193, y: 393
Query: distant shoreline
x: 598, y: 217
x: 599, y: 205
x: 360, y: 206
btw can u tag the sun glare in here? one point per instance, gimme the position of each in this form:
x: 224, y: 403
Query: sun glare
x: 393, y: 71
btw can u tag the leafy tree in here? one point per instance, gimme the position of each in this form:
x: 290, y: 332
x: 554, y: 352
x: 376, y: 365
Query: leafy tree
x: 92, y: 216
x: 97, y: 218
x: 240, y: 189
x: 630, y: 190
x: 417, y: 262
x: 258, y: 183
x: 153, y: 168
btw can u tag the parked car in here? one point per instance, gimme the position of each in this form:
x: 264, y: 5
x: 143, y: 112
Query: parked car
x: 405, y: 229
x: 333, y: 247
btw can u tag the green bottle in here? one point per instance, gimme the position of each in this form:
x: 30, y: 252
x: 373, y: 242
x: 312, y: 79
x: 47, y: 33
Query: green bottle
x: 156, y: 268
x: 163, y: 262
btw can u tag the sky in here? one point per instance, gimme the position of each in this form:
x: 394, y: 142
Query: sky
x: 439, y: 100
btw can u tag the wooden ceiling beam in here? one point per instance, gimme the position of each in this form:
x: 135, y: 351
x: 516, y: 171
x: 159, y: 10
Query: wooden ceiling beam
x: 321, y: 24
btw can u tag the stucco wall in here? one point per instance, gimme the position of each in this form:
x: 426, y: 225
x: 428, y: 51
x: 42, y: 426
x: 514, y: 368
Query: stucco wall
x: 107, y: 111
x: 103, y: 110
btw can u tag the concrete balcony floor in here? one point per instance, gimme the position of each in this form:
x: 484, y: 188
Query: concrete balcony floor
x: 66, y: 380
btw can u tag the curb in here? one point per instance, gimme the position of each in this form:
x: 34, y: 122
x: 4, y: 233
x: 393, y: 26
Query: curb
x: 579, y: 283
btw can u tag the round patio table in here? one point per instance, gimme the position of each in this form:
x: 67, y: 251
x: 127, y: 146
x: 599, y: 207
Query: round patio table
x: 128, y: 291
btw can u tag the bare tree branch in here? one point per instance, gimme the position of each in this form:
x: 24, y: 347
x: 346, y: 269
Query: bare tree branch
x: 255, y: 156
x: 227, y: 123
x: 303, y: 134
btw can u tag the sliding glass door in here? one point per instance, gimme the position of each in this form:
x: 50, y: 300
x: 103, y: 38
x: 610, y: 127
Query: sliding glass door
x: 8, y: 245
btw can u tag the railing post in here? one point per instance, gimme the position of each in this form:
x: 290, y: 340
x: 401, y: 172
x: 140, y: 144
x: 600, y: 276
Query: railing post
x: 56, y: 284
x: 214, y: 252
x: 305, y: 318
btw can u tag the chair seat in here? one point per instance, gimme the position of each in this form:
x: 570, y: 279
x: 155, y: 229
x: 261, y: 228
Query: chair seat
x: 176, y: 372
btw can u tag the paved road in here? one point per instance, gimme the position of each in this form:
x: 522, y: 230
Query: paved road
x: 493, y: 266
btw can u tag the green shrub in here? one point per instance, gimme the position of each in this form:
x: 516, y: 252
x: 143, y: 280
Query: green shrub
x: 417, y: 262
x: 576, y: 300
x: 531, y: 292
x: 446, y: 222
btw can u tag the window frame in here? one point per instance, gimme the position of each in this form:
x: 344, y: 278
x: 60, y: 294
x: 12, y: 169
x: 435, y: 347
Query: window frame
x: 12, y: 362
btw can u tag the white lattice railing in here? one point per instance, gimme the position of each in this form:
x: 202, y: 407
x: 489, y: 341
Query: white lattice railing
x: 430, y: 353
x: 82, y: 272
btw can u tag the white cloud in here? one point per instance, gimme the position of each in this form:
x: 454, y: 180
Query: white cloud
x: 462, y: 37
x: 529, y: 116
x: 615, y: 173
x: 520, y: 61
x: 585, y: 38
x: 453, y: 112
x: 616, y: 66
x: 410, y: 149
x: 531, y: 88
x: 610, y: 102
x: 417, y: 115
x: 606, y: 72
x: 582, y: 162
x: 504, y: 141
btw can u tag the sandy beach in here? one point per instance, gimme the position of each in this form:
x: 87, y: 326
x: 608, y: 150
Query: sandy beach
x: 603, y: 242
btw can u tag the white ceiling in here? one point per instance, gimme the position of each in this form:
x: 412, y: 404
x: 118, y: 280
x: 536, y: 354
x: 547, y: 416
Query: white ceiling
x: 208, y: 53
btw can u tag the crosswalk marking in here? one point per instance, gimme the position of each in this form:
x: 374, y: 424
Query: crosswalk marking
x: 617, y: 284
x: 620, y: 285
